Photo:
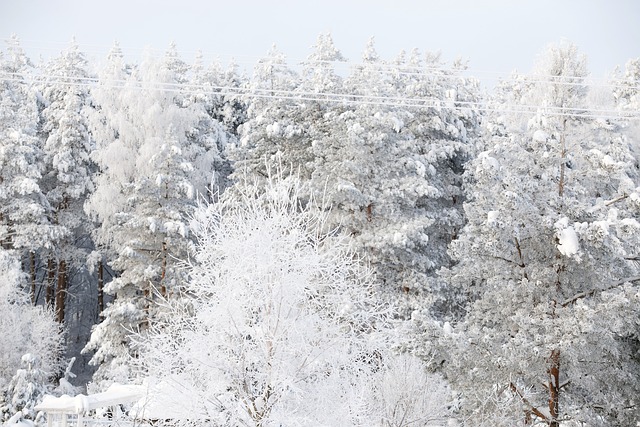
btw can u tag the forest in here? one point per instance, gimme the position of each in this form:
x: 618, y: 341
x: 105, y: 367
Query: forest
x: 391, y: 245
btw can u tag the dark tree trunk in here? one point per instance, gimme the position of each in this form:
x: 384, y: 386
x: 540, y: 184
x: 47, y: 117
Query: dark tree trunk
x: 32, y: 267
x: 51, y: 275
x: 61, y: 291
x: 100, y: 290
x: 163, y: 287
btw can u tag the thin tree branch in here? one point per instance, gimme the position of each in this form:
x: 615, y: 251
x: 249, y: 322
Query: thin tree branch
x: 524, y: 400
x: 616, y: 200
x: 595, y: 291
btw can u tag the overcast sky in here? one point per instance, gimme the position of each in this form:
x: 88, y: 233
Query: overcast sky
x: 494, y: 35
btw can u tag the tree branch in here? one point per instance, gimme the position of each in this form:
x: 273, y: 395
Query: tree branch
x: 526, y: 276
x: 595, y: 291
x: 524, y: 400
x: 616, y: 200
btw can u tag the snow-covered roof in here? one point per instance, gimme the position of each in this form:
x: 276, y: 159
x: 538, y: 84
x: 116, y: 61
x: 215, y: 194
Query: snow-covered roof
x: 115, y: 395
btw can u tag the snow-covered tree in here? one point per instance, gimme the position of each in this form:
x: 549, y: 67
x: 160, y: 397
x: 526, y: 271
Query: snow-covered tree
x: 27, y: 330
x: 66, y: 180
x: 282, y: 323
x: 143, y: 195
x: 24, y: 223
x: 408, y: 395
x: 390, y: 167
x: 550, y: 331
x: 272, y: 125
x: 384, y: 148
x: 288, y: 113
x: 626, y: 91
x: 26, y: 388
x: 217, y: 113
x: 219, y: 89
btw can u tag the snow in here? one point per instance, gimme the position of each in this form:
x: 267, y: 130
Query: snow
x: 487, y: 163
x: 17, y: 421
x: 447, y: 328
x: 608, y: 162
x: 171, y: 398
x: 568, y: 243
x: 540, y: 136
x: 115, y: 394
x: 492, y: 217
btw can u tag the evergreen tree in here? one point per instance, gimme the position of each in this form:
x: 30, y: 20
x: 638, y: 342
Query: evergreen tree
x: 24, y: 223
x: 543, y: 263
x: 217, y: 114
x: 272, y: 124
x: 626, y: 91
x: 26, y: 389
x: 219, y: 90
x: 390, y: 169
x: 66, y: 181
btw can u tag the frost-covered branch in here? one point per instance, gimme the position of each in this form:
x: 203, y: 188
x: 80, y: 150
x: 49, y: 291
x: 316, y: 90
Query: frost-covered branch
x: 524, y: 400
x: 596, y: 291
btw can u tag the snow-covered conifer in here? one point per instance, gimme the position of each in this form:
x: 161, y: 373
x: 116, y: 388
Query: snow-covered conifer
x: 66, y: 181
x: 26, y: 388
x: 216, y: 118
x: 390, y: 165
x: 23, y: 208
x: 272, y: 125
x: 544, y: 265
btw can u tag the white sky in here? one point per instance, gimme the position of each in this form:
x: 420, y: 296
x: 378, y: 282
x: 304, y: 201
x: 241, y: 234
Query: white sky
x: 494, y: 35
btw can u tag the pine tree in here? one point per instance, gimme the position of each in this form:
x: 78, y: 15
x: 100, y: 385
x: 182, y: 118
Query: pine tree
x: 390, y: 169
x: 217, y: 114
x: 219, y: 90
x: 24, y: 223
x: 26, y: 389
x: 543, y: 263
x: 66, y: 181
x: 272, y: 125
x: 626, y: 92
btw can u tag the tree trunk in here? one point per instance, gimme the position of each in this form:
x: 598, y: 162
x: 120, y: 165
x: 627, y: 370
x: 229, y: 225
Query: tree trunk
x: 554, y: 388
x: 32, y: 260
x: 100, y: 289
x: 163, y: 287
x: 563, y: 158
x: 51, y: 274
x: 61, y: 291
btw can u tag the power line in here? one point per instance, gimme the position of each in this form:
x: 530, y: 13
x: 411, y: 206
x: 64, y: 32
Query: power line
x: 527, y: 80
x: 346, y: 98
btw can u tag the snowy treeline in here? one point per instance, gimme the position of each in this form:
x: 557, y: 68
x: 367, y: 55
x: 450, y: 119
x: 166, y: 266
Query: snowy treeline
x: 387, y: 246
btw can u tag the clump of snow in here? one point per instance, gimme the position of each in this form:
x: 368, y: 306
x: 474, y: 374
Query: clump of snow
x: 540, y: 136
x: 568, y: 243
x: 492, y: 217
x: 608, y: 162
x: 81, y: 403
x: 17, y: 420
x: 447, y: 328
x: 487, y: 163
